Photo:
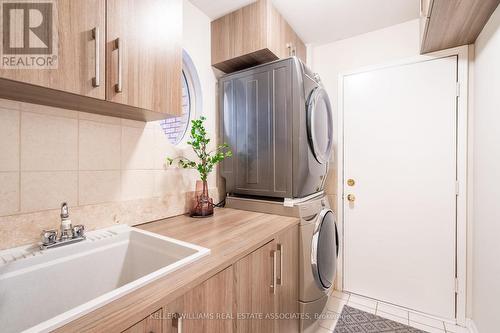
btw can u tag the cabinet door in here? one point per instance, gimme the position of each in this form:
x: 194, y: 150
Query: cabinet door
x: 75, y: 49
x: 239, y: 33
x: 150, y: 324
x: 294, y: 44
x: 256, y: 290
x: 287, y: 245
x: 300, y: 49
x: 144, y: 54
x: 206, y: 308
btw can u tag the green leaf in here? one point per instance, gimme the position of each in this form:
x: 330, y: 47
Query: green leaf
x: 199, y: 140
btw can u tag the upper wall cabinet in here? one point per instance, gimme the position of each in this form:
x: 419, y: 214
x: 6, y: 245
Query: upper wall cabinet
x: 449, y: 23
x: 143, y: 51
x: 253, y: 35
x: 76, y: 48
x: 118, y: 58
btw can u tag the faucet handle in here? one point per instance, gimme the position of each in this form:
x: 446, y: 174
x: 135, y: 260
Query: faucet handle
x: 64, y: 210
x: 78, y: 230
x: 49, y: 237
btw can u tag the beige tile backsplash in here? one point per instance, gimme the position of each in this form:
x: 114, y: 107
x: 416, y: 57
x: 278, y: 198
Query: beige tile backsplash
x: 99, y: 186
x: 109, y: 170
x: 99, y: 146
x: 137, y: 184
x: 47, y: 189
x: 137, y: 148
x: 9, y: 139
x: 48, y: 143
x: 9, y: 192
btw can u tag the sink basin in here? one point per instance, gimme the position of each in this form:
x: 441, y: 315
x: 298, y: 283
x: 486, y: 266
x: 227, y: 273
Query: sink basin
x: 43, y: 290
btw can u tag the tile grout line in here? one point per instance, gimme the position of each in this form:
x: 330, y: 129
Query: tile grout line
x: 78, y: 160
x: 19, y: 160
x: 120, y: 148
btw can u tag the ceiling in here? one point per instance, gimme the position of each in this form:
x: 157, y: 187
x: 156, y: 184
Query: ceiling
x: 323, y: 21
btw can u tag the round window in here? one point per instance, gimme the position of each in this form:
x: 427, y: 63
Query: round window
x: 176, y: 127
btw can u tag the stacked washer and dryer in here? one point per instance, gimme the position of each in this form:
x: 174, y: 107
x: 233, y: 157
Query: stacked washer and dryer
x: 278, y: 122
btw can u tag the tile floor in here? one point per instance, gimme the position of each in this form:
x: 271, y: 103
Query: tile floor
x: 339, y: 299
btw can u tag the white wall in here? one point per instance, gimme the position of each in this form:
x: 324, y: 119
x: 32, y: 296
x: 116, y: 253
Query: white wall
x: 377, y: 47
x: 486, y: 179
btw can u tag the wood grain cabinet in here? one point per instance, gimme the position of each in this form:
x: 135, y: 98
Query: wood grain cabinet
x: 205, y: 308
x: 445, y: 23
x: 78, y: 51
x: 252, y: 35
x: 258, y: 293
x: 255, y: 278
x: 144, y: 54
x: 151, y: 324
x: 288, y: 280
x: 266, y: 283
x: 113, y: 57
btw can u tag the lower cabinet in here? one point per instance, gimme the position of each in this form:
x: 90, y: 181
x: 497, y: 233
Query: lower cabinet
x: 258, y: 293
x: 255, y: 286
x: 150, y: 324
x: 287, y: 245
x: 205, y: 308
x: 266, y: 287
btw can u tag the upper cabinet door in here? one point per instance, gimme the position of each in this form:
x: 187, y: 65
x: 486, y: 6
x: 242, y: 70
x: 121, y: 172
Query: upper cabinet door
x: 144, y: 54
x: 253, y: 35
x: 76, y: 38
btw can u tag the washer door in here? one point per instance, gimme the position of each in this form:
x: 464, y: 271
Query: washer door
x: 324, y: 249
x: 320, y: 124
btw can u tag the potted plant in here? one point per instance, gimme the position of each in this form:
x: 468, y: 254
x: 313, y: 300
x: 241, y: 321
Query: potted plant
x: 203, y: 205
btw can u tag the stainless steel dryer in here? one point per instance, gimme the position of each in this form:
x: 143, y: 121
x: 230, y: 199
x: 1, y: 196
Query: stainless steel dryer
x: 278, y: 121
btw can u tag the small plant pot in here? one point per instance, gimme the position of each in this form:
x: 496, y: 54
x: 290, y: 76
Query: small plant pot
x: 203, y: 205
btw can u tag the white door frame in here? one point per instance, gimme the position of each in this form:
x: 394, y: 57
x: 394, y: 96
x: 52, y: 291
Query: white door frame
x: 462, y: 54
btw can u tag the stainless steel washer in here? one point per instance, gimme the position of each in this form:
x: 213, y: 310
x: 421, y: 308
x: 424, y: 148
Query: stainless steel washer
x: 319, y: 244
x: 318, y: 250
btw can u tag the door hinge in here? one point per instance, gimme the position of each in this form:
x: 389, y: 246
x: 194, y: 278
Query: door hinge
x: 456, y: 285
x: 457, y: 188
x: 458, y: 89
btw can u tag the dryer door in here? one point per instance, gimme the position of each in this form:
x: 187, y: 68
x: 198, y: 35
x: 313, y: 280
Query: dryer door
x: 324, y: 249
x: 320, y: 124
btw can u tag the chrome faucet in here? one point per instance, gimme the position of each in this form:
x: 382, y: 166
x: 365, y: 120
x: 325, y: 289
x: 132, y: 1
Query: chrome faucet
x: 69, y: 233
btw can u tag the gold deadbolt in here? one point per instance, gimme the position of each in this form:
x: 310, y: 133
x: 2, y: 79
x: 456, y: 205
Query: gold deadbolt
x: 351, y: 197
x: 351, y: 182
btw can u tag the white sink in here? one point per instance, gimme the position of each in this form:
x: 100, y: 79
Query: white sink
x: 43, y: 290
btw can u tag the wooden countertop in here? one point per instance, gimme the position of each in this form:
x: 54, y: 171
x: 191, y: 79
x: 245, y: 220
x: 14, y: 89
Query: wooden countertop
x: 230, y: 235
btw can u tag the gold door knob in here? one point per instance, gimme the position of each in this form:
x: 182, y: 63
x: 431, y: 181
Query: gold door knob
x: 351, y: 197
x: 351, y: 182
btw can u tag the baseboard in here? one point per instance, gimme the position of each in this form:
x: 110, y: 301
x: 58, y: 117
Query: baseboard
x: 469, y: 323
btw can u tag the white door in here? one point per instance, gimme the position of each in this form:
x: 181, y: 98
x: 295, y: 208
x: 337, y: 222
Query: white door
x: 400, y: 149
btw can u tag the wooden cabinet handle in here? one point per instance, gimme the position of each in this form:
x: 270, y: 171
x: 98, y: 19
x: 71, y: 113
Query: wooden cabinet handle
x: 177, y: 322
x: 119, y: 85
x: 273, y: 282
x: 279, y: 280
x: 96, y: 81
